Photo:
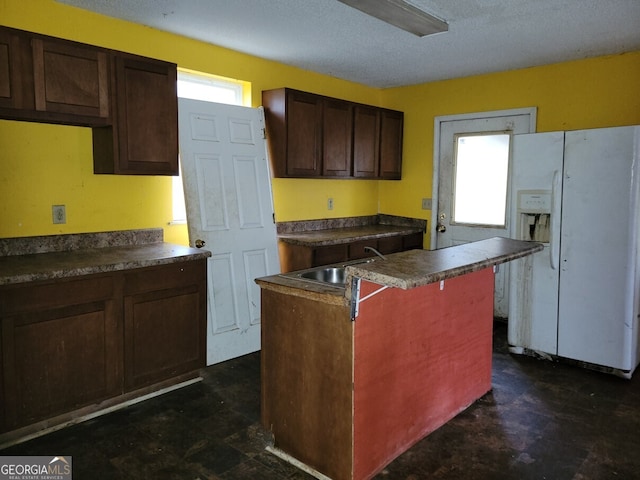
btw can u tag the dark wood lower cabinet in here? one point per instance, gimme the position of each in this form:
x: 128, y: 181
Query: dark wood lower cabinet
x: 61, y: 347
x: 299, y: 257
x: 164, y: 323
x: 72, y: 344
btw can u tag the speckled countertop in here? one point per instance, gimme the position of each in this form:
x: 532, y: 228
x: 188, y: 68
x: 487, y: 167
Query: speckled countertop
x: 414, y: 268
x: 32, y: 259
x: 337, y: 236
x: 318, y: 233
x: 409, y: 269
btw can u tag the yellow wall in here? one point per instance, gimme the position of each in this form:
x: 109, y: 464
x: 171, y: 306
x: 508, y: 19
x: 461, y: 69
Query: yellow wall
x: 44, y: 165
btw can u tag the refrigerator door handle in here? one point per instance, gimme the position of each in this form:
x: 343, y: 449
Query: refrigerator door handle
x: 553, y: 242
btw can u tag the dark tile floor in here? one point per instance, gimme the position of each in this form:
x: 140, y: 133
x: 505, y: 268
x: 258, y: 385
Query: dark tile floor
x: 542, y: 420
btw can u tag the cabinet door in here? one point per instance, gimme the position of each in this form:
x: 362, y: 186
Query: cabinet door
x: 70, y: 78
x: 391, y: 124
x: 16, y: 72
x: 336, y: 138
x: 413, y: 241
x: 304, y: 134
x: 144, y: 137
x: 388, y: 245
x: 165, y: 322
x: 366, y: 141
x: 330, y: 254
x: 61, y: 348
x: 357, y: 249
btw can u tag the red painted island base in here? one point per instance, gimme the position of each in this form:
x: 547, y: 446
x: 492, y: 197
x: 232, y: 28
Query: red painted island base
x: 421, y: 357
x: 346, y: 398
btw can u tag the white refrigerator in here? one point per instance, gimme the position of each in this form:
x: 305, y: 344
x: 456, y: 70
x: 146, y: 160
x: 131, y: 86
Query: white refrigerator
x: 578, y: 299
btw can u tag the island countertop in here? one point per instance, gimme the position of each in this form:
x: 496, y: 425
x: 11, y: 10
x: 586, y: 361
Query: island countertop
x: 409, y: 269
x: 415, y: 268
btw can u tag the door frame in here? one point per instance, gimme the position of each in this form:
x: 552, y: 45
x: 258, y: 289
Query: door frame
x: 438, y: 121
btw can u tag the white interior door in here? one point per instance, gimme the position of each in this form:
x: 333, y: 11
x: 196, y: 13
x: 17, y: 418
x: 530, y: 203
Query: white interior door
x: 472, y: 182
x: 229, y: 207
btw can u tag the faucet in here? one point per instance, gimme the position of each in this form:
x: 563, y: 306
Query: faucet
x: 371, y: 249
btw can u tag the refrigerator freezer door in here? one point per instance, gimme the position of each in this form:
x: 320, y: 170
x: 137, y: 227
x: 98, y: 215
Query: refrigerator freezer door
x: 598, y: 267
x: 533, y: 295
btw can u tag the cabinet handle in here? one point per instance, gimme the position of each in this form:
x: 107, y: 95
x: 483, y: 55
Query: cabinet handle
x: 200, y: 243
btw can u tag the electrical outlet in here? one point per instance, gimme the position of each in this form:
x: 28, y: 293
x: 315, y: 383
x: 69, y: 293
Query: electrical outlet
x: 59, y: 214
x: 330, y: 204
x: 426, y: 204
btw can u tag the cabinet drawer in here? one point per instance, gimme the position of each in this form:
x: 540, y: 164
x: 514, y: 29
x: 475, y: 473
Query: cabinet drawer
x: 330, y: 254
x: 76, y: 291
x: 165, y: 276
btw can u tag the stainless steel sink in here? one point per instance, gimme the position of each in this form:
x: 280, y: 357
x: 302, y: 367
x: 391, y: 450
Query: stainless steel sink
x: 332, y: 275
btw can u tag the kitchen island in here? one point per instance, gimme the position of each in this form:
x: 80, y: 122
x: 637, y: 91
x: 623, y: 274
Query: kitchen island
x: 354, y: 374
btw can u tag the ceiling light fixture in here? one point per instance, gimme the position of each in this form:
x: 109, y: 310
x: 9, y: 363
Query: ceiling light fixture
x: 400, y: 14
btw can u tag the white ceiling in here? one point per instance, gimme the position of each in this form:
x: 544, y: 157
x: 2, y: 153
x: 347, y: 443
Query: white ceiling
x: 329, y: 37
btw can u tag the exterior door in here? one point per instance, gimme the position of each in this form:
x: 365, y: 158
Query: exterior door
x: 229, y: 212
x: 472, y: 178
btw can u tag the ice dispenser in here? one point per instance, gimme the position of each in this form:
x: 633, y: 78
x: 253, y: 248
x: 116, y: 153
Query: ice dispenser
x: 534, y: 215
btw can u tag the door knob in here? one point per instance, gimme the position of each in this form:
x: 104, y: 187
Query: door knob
x: 441, y: 228
x: 200, y: 243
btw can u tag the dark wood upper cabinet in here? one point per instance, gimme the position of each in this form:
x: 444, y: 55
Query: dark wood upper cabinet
x: 144, y: 137
x: 49, y: 80
x: 337, y: 140
x: 303, y: 134
x: 16, y: 73
x: 313, y: 136
x: 130, y: 101
x: 366, y: 141
x: 391, y: 125
x: 70, y: 78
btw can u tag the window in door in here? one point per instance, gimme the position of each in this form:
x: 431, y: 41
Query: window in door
x: 481, y: 167
x: 208, y: 88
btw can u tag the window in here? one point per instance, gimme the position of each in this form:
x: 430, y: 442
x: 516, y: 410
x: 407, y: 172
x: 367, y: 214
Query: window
x: 208, y: 88
x: 480, y: 179
x: 198, y: 86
